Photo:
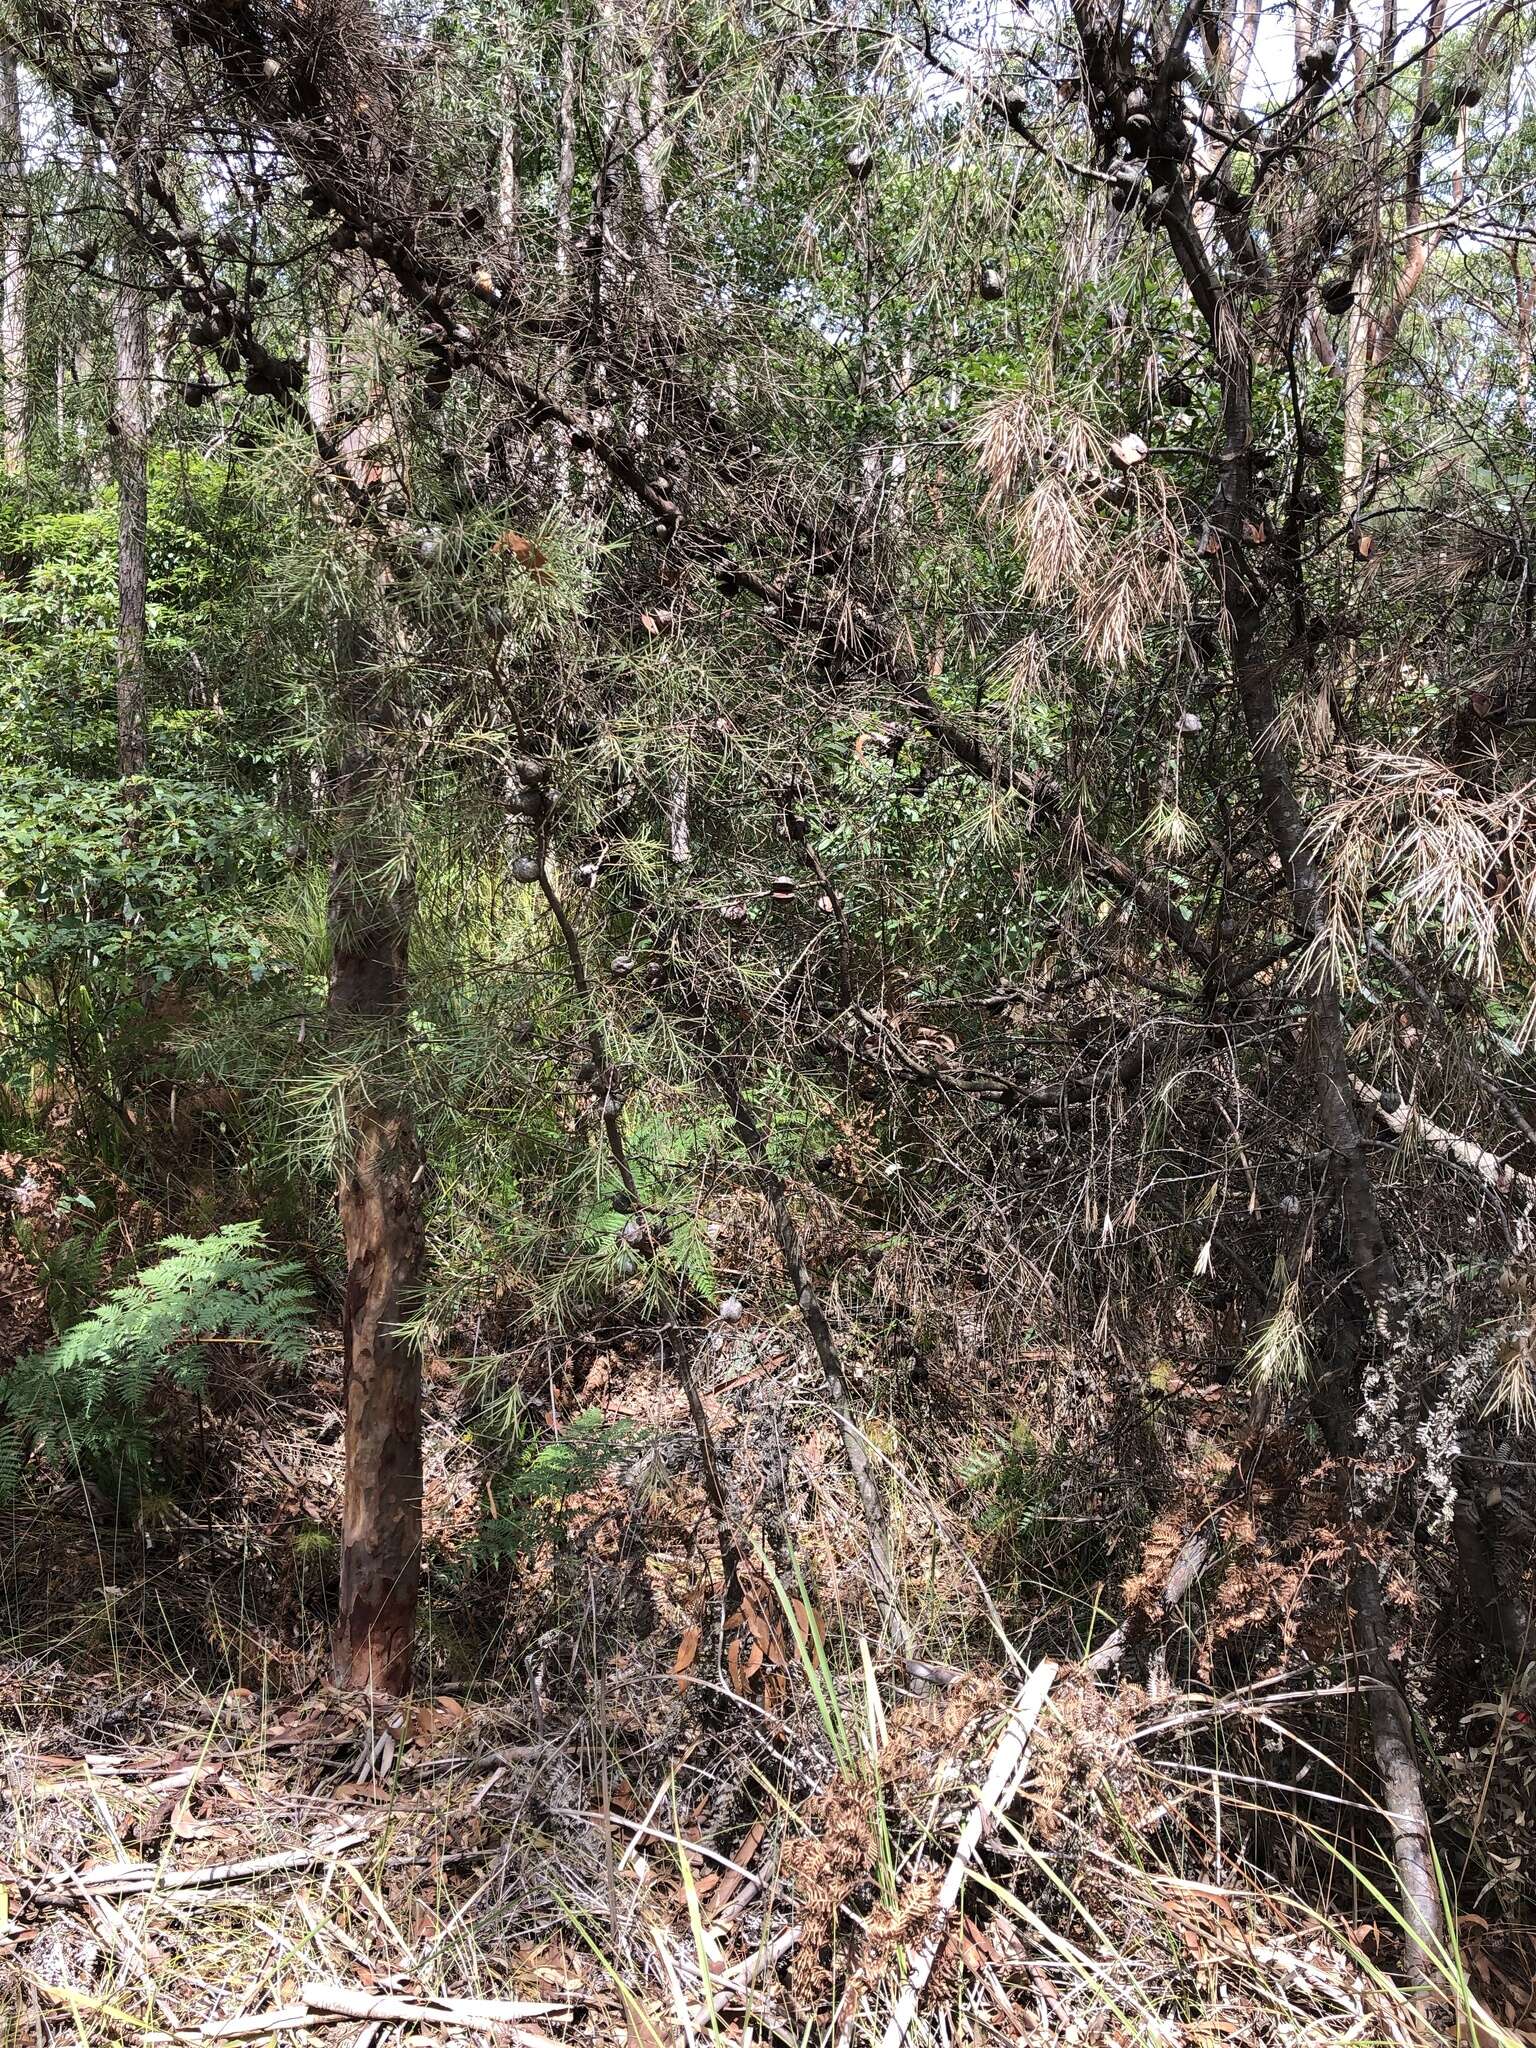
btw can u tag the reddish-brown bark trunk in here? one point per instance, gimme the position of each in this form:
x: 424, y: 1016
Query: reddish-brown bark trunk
x: 380, y: 1203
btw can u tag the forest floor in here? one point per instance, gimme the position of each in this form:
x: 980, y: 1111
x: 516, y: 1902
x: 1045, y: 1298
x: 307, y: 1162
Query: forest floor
x: 624, y: 1814
x: 189, y: 1868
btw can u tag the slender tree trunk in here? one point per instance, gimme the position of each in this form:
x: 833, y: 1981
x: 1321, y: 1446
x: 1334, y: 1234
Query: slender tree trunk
x: 565, y: 164
x: 321, y: 397
x: 130, y: 443
x: 1375, y: 1276
x: 508, y: 195
x: 14, y: 254
x: 1244, y: 598
x: 379, y: 1194
x: 131, y: 461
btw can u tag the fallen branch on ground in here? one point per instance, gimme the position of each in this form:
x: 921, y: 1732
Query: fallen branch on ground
x: 997, y: 1795
x: 120, y: 1878
x: 1187, y: 1567
x: 354, y: 2003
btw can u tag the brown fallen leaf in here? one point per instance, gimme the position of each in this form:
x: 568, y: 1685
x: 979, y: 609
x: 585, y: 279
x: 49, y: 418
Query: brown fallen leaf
x: 687, y: 1651
x: 527, y: 555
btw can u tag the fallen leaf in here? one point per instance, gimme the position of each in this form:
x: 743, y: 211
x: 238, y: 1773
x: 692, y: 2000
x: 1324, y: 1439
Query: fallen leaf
x: 526, y: 555
x: 687, y: 1651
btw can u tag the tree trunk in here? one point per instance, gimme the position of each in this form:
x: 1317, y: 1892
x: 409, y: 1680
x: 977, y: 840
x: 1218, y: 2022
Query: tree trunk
x: 379, y: 1195
x: 130, y: 446
x: 17, y: 240
x: 131, y: 452
x: 1244, y: 598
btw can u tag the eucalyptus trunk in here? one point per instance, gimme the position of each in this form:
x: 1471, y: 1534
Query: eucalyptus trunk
x: 130, y: 446
x: 14, y: 254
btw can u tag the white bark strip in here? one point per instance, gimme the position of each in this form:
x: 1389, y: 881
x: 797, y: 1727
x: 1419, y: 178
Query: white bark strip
x: 998, y: 1793
x: 1488, y: 1166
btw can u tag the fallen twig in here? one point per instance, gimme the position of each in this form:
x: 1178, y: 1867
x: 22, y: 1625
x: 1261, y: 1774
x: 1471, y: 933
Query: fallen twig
x: 1187, y: 1567
x: 247, y: 2025
x: 352, y: 2002
x: 118, y: 1879
x: 996, y: 1796
x: 1402, y: 1117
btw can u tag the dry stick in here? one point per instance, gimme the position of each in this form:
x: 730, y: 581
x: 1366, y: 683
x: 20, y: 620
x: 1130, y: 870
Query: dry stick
x: 1187, y: 1567
x: 1488, y: 1166
x: 117, y: 1881
x: 997, y: 1795
x: 246, y: 2026
x: 354, y: 2003
x: 762, y: 1959
x: 753, y: 1143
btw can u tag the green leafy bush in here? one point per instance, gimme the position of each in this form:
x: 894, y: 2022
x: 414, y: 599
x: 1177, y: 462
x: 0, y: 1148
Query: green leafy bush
x: 208, y: 537
x: 87, y: 1400
x: 117, y: 904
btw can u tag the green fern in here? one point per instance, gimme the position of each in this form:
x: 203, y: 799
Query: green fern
x: 86, y: 1400
x: 69, y: 1272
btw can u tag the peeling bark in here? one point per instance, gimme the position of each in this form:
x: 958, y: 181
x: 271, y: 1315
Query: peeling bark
x: 379, y: 1197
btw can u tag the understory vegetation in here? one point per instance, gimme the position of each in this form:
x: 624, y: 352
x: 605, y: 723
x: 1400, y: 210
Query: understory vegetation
x: 767, y: 991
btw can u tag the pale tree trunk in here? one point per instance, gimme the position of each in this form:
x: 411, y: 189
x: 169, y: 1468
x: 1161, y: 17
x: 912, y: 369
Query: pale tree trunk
x: 646, y: 114
x: 369, y: 911
x: 508, y: 196
x: 131, y: 461
x: 1373, y: 104
x: 130, y: 442
x: 321, y: 399
x: 565, y: 164
x: 1357, y: 359
x: 14, y: 254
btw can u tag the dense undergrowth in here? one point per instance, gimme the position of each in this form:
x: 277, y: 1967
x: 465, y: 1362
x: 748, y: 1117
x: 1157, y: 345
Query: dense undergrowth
x: 767, y: 943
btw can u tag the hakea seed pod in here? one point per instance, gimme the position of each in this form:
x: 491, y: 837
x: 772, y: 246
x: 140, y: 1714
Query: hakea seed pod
x: 859, y: 162
x: 525, y: 868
